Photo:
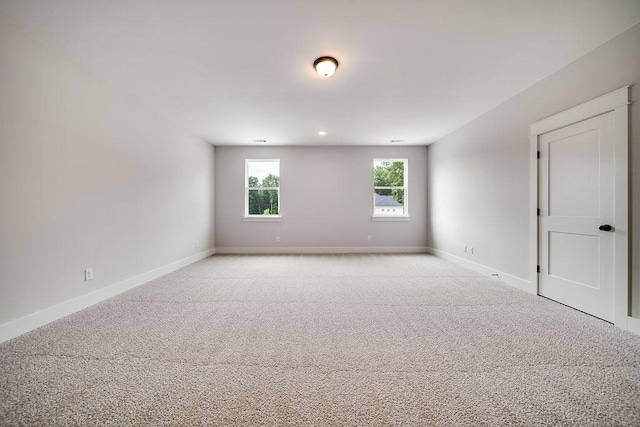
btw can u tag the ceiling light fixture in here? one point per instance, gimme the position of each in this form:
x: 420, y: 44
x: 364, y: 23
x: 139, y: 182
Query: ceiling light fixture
x: 322, y: 132
x: 325, y: 66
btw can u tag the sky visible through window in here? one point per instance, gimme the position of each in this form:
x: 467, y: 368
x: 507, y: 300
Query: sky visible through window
x: 262, y: 169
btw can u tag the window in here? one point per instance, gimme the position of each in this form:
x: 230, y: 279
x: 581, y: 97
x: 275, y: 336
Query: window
x: 262, y: 188
x: 390, y: 187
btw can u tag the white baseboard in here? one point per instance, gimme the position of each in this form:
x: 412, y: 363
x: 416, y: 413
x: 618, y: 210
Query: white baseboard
x: 40, y: 318
x: 633, y: 325
x: 323, y: 250
x: 509, y: 279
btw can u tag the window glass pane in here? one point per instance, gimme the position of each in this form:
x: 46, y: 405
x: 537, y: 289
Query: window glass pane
x: 263, y: 202
x: 388, y: 174
x: 263, y: 174
x: 389, y: 202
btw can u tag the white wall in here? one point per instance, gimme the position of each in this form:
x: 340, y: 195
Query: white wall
x: 479, y: 175
x: 88, y: 179
x: 326, y: 199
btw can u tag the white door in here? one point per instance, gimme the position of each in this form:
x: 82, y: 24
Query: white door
x: 576, y: 200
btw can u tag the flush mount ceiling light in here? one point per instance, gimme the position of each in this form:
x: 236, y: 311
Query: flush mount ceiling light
x: 322, y: 132
x: 325, y: 66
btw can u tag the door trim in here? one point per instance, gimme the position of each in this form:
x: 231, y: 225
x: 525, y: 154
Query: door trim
x: 618, y: 102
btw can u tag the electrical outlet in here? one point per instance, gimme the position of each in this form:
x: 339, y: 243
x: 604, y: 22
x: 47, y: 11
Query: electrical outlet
x: 471, y: 250
x: 464, y: 248
x: 368, y: 238
x: 197, y: 243
x: 88, y: 274
x: 277, y: 238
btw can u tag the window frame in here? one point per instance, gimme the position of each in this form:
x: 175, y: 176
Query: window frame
x: 405, y: 187
x: 257, y: 217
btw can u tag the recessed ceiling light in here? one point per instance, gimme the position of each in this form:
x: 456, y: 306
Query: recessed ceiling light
x: 259, y: 140
x: 325, y: 66
x: 398, y: 140
x: 322, y: 132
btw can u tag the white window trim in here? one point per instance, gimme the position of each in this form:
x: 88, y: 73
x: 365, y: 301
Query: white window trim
x: 390, y: 218
x: 260, y: 218
x: 263, y: 218
x: 405, y: 187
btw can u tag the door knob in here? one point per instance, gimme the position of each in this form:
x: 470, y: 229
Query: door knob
x: 605, y: 227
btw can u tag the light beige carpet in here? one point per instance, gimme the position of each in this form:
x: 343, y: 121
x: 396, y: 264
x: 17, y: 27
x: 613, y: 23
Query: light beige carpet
x: 329, y: 340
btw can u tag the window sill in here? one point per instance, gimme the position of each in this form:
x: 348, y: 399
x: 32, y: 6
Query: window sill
x: 390, y: 218
x: 271, y: 218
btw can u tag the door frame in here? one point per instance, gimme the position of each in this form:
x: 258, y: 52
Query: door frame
x: 618, y: 102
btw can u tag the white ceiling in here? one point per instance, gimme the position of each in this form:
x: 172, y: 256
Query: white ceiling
x: 237, y: 70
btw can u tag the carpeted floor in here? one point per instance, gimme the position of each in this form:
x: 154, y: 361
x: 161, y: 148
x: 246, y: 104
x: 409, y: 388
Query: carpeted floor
x: 326, y: 340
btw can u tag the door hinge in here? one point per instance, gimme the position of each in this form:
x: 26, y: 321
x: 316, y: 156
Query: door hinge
x: 538, y: 154
x: 538, y: 212
x: 538, y: 268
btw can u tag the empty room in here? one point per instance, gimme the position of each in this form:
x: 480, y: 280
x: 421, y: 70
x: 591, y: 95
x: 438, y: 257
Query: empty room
x: 339, y: 213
